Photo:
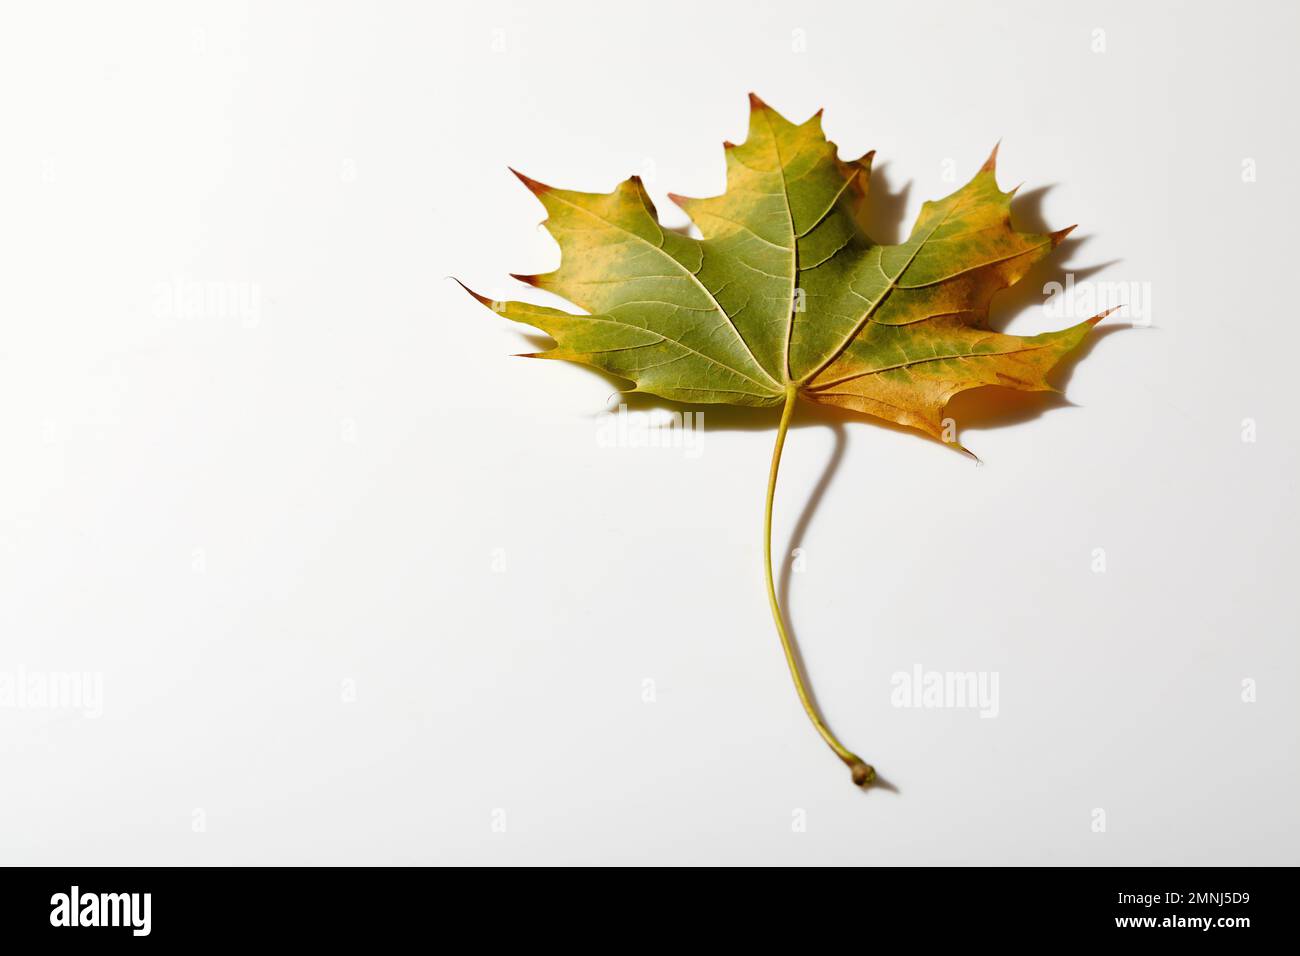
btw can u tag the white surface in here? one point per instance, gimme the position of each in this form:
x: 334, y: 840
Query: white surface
x: 228, y: 514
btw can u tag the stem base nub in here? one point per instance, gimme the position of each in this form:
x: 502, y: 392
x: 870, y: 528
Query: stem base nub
x: 864, y: 775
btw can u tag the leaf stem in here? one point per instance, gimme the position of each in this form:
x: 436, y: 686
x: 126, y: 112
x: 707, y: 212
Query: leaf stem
x: 863, y: 773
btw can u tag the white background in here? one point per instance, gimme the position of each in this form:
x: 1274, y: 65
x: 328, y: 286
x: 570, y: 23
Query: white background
x: 237, y: 515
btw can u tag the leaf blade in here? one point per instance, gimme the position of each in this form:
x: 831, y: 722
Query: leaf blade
x: 786, y: 289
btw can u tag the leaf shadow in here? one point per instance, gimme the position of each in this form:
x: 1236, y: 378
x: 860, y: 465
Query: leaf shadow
x: 884, y: 215
x: 995, y: 407
x: 1027, y: 216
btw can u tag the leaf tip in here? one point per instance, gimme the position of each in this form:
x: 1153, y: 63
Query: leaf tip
x: 533, y: 185
x: 1059, y: 236
x: 756, y: 104
x: 482, y: 299
x: 991, y: 164
x: 534, y: 280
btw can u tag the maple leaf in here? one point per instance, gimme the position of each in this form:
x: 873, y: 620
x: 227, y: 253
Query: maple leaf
x: 786, y: 297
